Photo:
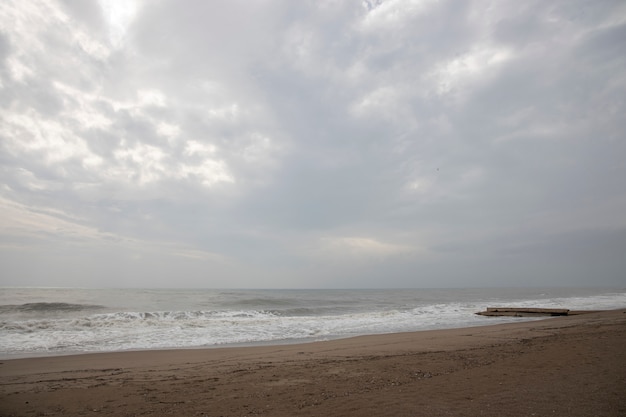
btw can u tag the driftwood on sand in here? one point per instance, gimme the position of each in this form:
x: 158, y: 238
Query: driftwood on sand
x: 531, y: 312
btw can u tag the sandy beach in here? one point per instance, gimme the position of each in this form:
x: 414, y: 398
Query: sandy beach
x: 565, y: 366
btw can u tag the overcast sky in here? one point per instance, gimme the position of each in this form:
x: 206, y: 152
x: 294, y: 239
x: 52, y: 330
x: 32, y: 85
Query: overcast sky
x: 300, y: 144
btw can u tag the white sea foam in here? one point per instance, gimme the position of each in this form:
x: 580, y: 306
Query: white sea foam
x: 97, y: 324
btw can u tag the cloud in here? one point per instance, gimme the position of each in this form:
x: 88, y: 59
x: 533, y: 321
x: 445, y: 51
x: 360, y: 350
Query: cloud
x: 381, y: 137
x: 362, y: 249
x: 63, y: 244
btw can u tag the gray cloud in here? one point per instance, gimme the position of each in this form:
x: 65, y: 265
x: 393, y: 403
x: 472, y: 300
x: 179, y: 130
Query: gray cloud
x: 281, y: 144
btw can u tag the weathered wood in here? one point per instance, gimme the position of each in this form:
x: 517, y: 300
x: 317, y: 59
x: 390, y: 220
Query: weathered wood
x: 562, y: 311
x: 513, y: 314
x: 524, y: 311
x: 532, y: 312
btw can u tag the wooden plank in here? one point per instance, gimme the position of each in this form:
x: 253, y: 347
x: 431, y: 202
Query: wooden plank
x: 532, y: 312
x: 562, y: 311
x: 524, y: 311
x: 515, y: 314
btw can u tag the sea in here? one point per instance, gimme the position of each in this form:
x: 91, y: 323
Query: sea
x: 60, y: 321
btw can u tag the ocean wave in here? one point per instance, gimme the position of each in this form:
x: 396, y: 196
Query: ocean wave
x: 32, y: 328
x: 47, y: 307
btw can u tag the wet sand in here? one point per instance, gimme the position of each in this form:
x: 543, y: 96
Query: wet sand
x: 565, y: 366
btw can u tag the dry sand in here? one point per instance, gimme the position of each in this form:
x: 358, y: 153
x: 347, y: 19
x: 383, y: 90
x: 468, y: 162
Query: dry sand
x: 566, y: 366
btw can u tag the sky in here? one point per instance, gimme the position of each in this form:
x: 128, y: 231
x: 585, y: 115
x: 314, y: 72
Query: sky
x: 312, y: 144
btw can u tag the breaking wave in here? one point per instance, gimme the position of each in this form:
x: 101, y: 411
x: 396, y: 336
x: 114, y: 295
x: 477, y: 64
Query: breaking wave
x: 63, y: 327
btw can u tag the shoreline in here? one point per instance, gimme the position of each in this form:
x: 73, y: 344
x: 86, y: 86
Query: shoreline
x: 573, y: 365
x: 281, y: 342
x: 300, y: 344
